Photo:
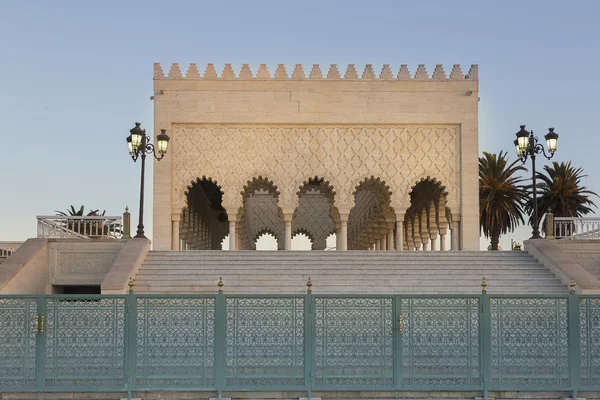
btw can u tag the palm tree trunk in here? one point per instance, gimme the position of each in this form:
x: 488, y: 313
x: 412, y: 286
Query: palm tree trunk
x: 495, y: 241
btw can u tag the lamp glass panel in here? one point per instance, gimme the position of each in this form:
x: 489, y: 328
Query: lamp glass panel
x: 162, y: 145
x: 552, y: 143
x: 136, y: 140
x: 523, y: 142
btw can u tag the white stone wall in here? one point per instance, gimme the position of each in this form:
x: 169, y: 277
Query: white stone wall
x: 344, y: 129
x: 81, y: 262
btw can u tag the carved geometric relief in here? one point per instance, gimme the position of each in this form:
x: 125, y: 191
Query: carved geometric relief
x: 288, y: 154
x: 84, y: 262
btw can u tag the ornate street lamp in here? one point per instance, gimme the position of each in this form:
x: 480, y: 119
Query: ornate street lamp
x: 138, y: 145
x: 526, y: 145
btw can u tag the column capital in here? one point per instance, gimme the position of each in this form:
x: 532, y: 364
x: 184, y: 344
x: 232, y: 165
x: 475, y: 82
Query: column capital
x: 344, y: 211
x: 176, y: 217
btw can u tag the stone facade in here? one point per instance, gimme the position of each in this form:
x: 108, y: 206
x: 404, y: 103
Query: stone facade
x: 345, y: 132
x: 584, y: 252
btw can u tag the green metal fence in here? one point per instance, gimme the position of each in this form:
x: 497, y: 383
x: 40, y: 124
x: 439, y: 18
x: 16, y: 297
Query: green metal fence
x: 299, y: 342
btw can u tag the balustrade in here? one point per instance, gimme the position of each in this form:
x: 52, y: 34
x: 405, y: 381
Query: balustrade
x: 72, y: 227
x: 577, y: 228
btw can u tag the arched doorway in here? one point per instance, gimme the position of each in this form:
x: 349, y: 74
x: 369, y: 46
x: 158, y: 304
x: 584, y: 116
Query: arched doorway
x: 260, y: 214
x: 426, y: 220
x: 315, y: 214
x: 204, y: 221
x: 371, y: 220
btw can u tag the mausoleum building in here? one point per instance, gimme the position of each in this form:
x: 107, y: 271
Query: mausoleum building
x: 384, y: 160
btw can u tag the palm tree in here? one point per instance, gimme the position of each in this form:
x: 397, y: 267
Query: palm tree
x: 501, y: 196
x: 81, y: 226
x: 79, y: 213
x: 559, y: 191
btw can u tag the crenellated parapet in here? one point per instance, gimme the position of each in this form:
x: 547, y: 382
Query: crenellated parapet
x: 316, y: 73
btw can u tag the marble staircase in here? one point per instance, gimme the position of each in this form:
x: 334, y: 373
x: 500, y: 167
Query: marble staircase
x: 364, y: 272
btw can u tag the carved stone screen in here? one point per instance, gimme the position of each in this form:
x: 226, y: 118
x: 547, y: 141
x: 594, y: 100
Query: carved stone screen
x: 232, y: 154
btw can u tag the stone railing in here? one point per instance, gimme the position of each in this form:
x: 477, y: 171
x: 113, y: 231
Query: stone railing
x: 574, y: 228
x: 72, y: 227
x: 7, y: 248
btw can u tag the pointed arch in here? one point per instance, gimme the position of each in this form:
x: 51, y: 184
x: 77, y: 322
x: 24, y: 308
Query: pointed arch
x: 371, y: 218
x: 204, y: 220
x: 316, y: 213
x: 260, y: 212
x: 426, y: 218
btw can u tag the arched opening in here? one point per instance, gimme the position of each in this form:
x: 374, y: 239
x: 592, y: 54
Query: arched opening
x: 260, y: 214
x: 266, y: 242
x: 371, y: 220
x: 204, y: 221
x: 425, y: 221
x: 315, y: 213
x: 302, y: 242
x: 331, y: 242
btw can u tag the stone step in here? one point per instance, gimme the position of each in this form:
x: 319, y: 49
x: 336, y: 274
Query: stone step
x: 295, y: 265
x: 383, y: 290
x: 409, y: 274
x: 352, y: 272
x: 242, y: 262
x: 337, y: 256
x: 254, y: 281
x: 352, y: 253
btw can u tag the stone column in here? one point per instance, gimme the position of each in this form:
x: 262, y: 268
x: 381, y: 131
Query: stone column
x: 338, y: 236
x: 232, y: 235
x: 454, y: 240
x: 442, y: 241
x: 238, y: 236
x: 549, y: 231
x: 399, y: 232
x: 344, y: 231
x: 433, y: 247
x: 287, y: 220
x: 175, y: 218
x: 383, y: 242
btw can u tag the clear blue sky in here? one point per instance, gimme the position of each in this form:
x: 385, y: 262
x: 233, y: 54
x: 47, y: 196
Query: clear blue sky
x: 76, y: 75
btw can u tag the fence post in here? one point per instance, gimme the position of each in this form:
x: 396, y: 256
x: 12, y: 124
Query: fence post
x: 309, y: 327
x: 574, y: 341
x: 131, y: 342
x: 41, y: 344
x: 220, y: 332
x: 485, y: 326
x: 126, y: 224
x: 549, y: 226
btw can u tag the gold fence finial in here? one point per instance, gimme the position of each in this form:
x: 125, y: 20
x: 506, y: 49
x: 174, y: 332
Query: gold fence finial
x: 483, y: 285
x: 220, y: 285
x: 309, y: 286
x: 573, y: 285
x: 130, y: 284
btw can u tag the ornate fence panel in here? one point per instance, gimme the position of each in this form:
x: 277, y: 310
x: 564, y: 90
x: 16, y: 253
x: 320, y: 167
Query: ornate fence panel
x: 529, y: 343
x: 84, y: 343
x: 265, y: 343
x: 299, y: 343
x: 175, y: 341
x: 440, y: 343
x: 19, y: 325
x: 354, y: 343
x: 589, y: 331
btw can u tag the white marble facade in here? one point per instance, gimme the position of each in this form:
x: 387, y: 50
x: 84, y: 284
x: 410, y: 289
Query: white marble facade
x: 386, y: 161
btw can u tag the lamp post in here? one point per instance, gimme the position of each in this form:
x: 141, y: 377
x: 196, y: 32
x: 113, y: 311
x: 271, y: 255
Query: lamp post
x: 138, y: 145
x: 526, y: 145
